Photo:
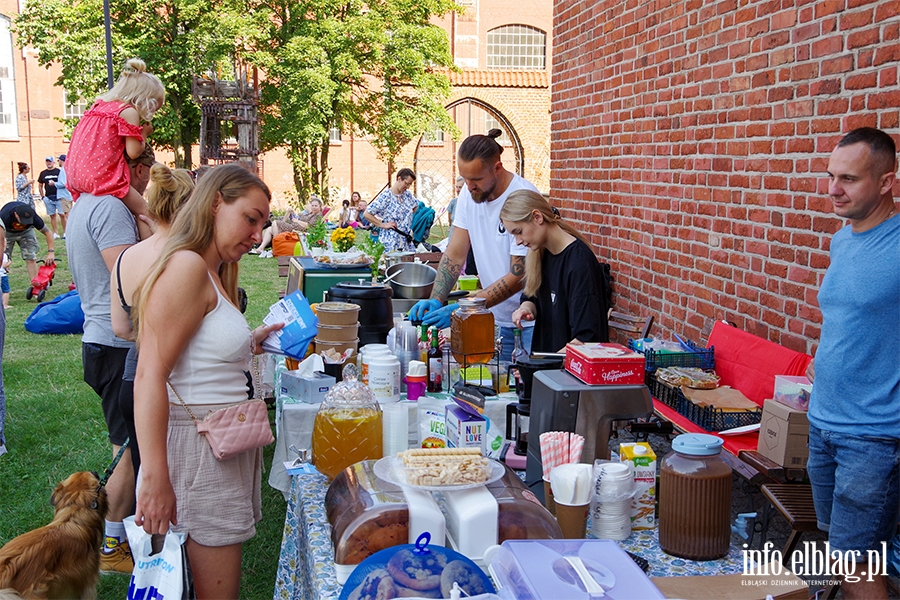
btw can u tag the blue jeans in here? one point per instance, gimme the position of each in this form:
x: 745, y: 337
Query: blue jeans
x: 856, y: 487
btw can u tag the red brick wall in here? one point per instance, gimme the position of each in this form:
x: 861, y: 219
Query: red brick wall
x: 690, y: 139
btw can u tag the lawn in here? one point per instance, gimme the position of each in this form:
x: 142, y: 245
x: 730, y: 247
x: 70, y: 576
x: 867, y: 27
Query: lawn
x: 54, y: 425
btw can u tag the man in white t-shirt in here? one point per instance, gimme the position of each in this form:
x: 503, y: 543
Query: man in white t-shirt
x: 501, y: 262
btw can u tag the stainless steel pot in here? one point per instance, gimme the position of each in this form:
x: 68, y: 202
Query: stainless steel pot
x: 414, y: 280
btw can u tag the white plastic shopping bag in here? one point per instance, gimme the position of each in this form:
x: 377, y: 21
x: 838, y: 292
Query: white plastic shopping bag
x: 160, y: 576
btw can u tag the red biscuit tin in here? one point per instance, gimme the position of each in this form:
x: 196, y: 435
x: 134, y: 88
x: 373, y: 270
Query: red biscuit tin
x: 605, y: 364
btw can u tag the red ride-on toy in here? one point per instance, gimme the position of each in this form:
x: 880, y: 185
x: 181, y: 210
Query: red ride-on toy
x: 41, y: 282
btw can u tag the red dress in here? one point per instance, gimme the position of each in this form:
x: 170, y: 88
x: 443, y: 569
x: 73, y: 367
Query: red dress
x: 96, y: 161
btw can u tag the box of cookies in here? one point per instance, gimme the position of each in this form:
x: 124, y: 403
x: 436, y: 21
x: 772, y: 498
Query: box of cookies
x: 605, y: 364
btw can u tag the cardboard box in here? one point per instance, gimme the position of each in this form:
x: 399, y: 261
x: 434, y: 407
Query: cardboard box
x: 605, y: 364
x: 310, y: 389
x: 784, y: 435
x: 465, y: 430
x: 643, y: 507
x: 793, y: 391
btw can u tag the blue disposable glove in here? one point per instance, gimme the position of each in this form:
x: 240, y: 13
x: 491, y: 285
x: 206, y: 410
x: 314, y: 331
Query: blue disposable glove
x: 421, y: 308
x: 440, y: 318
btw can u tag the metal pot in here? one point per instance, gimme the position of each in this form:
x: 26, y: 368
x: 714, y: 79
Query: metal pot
x: 413, y: 282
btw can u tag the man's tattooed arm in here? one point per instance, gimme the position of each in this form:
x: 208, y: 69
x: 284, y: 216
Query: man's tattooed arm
x: 509, y: 284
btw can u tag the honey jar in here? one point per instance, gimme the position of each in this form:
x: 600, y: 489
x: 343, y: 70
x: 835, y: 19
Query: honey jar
x: 472, y: 332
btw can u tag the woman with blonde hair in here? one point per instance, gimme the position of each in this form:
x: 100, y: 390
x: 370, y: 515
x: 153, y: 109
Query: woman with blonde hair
x: 564, y: 284
x: 170, y: 190
x: 195, y: 348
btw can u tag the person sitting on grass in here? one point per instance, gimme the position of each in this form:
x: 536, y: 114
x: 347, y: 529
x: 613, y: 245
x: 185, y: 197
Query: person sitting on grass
x: 290, y: 222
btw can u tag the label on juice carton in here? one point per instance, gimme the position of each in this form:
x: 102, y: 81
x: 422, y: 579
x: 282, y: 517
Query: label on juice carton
x: 643, y: 460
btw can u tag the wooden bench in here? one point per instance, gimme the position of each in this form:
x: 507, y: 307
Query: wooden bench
x: 794, y: 502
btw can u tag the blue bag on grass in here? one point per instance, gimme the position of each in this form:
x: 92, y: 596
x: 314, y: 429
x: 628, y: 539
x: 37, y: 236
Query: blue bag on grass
x: 61, y: 315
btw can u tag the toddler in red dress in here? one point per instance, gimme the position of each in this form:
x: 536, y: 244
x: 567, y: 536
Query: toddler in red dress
x: 111, y: 128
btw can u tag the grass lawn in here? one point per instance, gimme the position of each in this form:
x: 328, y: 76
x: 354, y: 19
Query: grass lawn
x: 54, y: 425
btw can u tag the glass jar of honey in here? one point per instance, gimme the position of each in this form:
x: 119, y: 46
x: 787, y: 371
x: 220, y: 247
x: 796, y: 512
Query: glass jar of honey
x: 348, y: 426
x: 472, y: 332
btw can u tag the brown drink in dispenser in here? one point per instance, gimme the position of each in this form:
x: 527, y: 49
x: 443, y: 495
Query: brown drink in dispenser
x: 472, y: 332
x: 695, y: 499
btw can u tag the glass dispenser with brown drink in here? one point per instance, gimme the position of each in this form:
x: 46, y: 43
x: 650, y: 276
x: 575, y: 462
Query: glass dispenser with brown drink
x: 472, y: 333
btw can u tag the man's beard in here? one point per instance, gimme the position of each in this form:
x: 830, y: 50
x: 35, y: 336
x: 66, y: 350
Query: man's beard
x: 484, y: 195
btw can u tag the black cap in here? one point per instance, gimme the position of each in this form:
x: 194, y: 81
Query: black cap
x: 24, y: 214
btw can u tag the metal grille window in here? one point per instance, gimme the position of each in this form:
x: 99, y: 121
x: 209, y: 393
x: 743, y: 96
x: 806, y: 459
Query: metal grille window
x: 9, y: 125
x: 516, y: 47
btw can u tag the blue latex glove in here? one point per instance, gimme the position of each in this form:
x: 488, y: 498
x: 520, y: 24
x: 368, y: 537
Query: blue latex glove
x: 440, y: 318
x: 421, y: 308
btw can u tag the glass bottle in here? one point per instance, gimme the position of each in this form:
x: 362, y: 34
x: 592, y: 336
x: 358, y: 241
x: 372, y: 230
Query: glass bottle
x: 348, y: 426
x: 472, y: 332
x: 518, y: 353
x: 435, y: 363
x: 423, y: 343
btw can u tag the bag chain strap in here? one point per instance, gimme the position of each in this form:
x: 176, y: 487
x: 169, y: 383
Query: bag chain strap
x: 257, y: 385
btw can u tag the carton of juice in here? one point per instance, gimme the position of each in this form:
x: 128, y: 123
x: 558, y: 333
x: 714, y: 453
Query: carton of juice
x: 643, y: 460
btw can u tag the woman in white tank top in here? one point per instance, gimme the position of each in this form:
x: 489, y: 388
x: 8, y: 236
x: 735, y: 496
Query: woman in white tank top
x: 192, y: 335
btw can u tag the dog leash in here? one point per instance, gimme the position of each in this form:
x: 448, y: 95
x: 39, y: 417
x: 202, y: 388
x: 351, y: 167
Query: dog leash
x: 112, y: 467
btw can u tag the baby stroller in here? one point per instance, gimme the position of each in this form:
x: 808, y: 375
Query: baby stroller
x: 41, y: 282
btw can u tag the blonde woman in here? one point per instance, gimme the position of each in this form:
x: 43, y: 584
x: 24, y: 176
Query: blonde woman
x: 195, y: 341
x: 564, y: 284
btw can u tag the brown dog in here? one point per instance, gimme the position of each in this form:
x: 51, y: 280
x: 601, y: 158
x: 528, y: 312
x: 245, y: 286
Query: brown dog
x: 62, y: 559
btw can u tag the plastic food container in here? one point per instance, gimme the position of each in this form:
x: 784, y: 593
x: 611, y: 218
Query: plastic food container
x: 468, y: 282
x: 544, y: 570
x: 368, y: 514
x: 339, y: 347
x: 792, y: 391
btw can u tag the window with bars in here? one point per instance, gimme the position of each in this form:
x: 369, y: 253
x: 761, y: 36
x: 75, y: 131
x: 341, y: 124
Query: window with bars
x: 435, y: 137
x: 491, y: 123
x: 9, y: 125
x: 516, y: 47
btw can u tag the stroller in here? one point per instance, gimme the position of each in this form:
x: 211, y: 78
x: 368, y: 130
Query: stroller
x: 41, y: 282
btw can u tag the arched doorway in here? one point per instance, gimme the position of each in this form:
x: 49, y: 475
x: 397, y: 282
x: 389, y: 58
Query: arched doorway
x: 435, y: 160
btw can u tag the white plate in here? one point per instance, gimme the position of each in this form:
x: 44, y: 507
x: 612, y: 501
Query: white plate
x: 391, y: 469
x: 740, y: 430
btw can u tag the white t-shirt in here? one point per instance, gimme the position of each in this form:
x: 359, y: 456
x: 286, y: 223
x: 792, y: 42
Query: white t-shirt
x: 491, y: 245
x: 4, y: 259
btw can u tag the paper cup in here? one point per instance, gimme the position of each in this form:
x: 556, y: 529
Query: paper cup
x: 572, y: 520
x: 548, y: 497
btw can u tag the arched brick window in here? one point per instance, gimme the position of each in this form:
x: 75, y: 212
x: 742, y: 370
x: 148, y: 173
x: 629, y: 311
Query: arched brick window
x: 516, y: 47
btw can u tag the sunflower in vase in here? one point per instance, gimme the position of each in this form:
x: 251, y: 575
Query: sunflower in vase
x: 343, y: 238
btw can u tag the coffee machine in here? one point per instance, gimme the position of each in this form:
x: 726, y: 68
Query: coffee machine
x: 518, y: 414
x: 561, y: 402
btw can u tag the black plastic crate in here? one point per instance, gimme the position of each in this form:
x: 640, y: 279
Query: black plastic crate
x: 710, y: 419
x: 702, y: 358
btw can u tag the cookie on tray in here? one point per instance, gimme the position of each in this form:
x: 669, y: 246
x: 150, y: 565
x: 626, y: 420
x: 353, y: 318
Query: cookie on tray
x: 378, y: 585
x: 456, y: 571
x: 417, y: 571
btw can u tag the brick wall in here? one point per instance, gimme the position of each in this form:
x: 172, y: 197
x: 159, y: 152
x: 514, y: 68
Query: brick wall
x: 690, y: 139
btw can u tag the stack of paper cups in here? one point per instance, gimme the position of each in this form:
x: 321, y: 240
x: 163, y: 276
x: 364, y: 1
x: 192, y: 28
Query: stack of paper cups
x: 611, y: 503
x: 395, y: 428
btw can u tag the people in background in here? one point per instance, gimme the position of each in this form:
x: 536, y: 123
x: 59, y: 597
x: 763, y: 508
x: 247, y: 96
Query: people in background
x: 199, y: 346
x: 347, y: 213
x: 361, y: 205
x: 501, y: 262
x: 290, y: 222
x: 392, y: 212
x: 23, y: 185
x: 20, y: 222
x: 854, y: 409
x: 47, y: 179
x: 451, y: 208
x: 63, y: 194
x: 170, y: 190
x: 100, y: 228
x: 110, y: 131
x: 564, y: 288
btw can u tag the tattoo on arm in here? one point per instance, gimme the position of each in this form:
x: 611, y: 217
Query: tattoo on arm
x: 517, y: 266
x: 447, y: 274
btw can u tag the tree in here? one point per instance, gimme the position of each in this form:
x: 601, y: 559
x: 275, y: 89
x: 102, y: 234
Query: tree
x: 369, y: 68
x: 176, y: 38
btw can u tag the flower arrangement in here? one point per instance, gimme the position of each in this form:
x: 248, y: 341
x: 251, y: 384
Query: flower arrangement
x: 343, y: 238
x: 372, y: 248
x: 315, y: 235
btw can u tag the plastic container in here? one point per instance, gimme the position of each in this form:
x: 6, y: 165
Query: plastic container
x: 366, y: 354
x: 468, y: 282
x: 348, y: 426
x: 339, y: 347
x: 793, y: 391
x: 472, y: 332
x: 695, y: 498
x: 384, y: 377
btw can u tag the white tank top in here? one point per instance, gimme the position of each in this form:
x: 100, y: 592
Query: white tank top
x: 212, y: 369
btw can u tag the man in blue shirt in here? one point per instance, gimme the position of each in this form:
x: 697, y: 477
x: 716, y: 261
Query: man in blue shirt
x: 854, y: 412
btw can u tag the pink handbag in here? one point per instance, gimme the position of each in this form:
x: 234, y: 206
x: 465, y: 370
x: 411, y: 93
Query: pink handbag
x: 233, y: 430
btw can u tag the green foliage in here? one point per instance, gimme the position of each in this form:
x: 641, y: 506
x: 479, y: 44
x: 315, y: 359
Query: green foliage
x: 176, y: 38
x: 373, y: 69
x: 315, y: 235
x: 371, y: 247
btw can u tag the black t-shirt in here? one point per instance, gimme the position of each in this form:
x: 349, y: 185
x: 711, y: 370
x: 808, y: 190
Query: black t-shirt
x: 570, y: 302
x: 6, y: 215
x: 49, y: 175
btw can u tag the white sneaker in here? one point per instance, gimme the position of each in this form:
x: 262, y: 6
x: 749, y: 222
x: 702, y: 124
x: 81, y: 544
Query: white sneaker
x: 269, y: 254
x: 55, y: 236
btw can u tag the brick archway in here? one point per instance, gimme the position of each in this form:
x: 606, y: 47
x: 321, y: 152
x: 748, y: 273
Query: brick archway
x: 435, y: 156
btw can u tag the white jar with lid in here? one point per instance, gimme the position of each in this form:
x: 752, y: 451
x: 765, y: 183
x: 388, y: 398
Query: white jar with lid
x: 384, y: 377
x: 368, y: 351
